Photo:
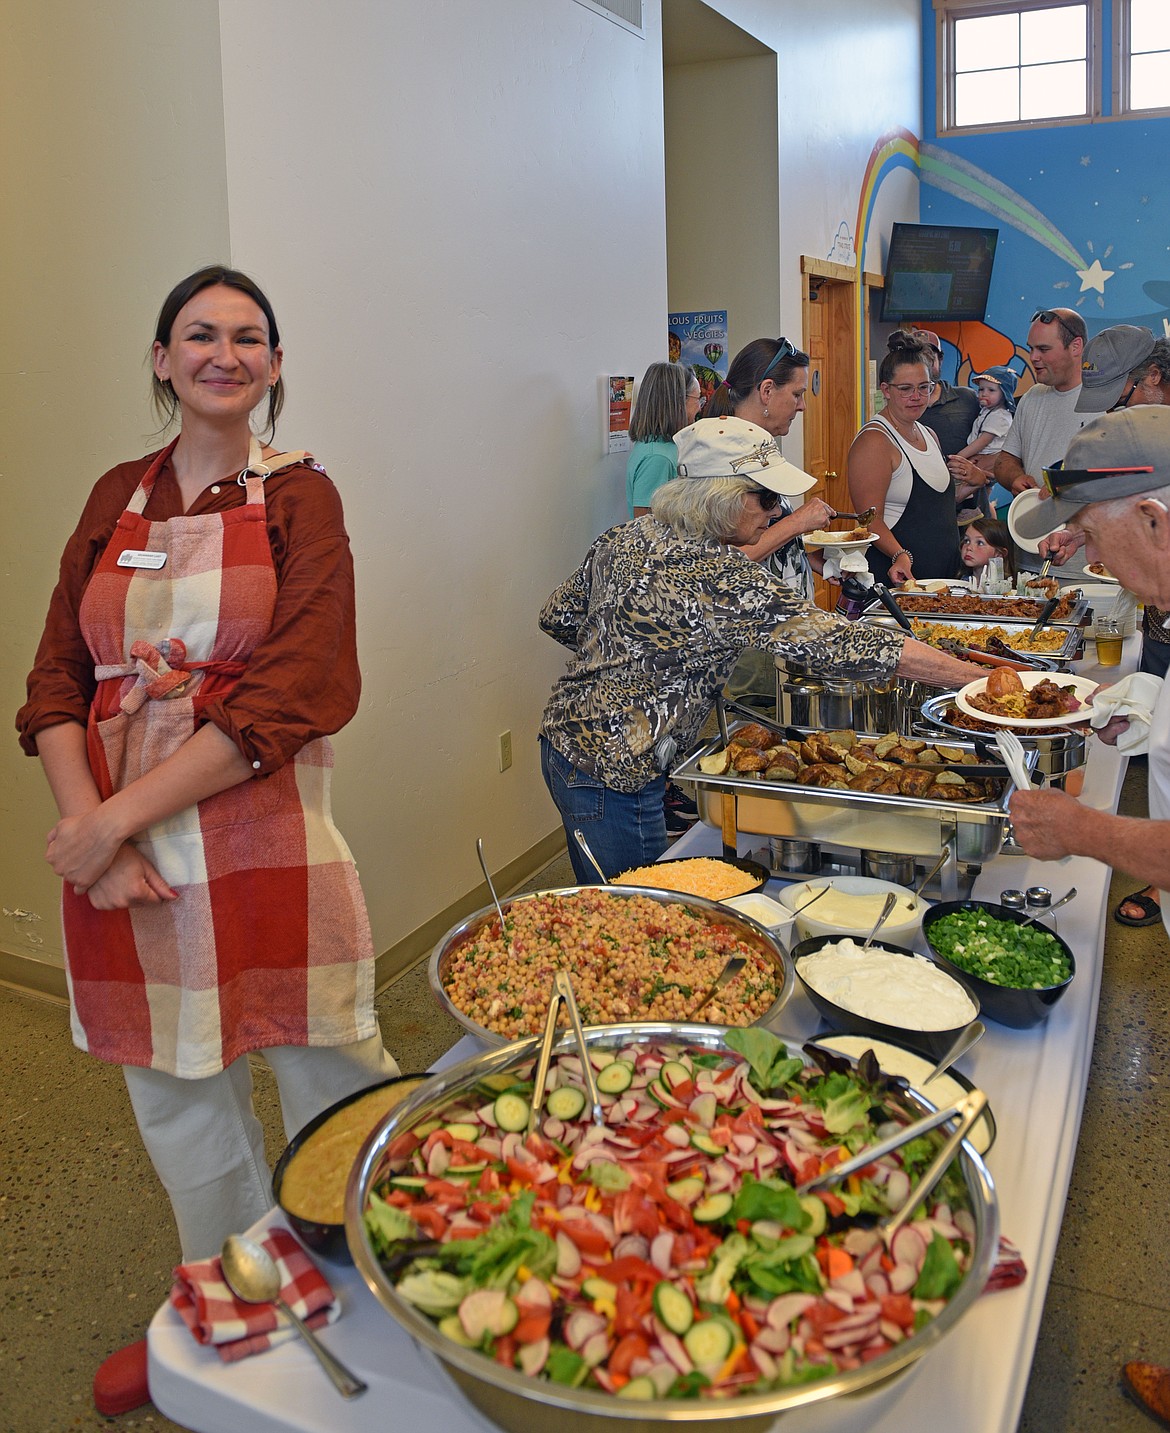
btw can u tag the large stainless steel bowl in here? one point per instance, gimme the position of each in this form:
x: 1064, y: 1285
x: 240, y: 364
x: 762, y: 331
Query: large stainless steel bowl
x: 468, y: 930
x: 530, y: 1405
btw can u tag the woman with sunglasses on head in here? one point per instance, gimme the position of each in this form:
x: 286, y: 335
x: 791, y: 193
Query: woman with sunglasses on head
x: 654, y: 620
x: 897, y: 467
x: 199, y: 650
x: 765, y: 385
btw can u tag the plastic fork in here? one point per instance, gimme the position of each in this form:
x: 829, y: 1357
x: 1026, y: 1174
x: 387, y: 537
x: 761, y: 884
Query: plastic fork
x: 1012, y: 750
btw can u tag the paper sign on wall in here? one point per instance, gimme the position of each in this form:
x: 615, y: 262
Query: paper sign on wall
x: 619, y: 402
x: 699, y: 339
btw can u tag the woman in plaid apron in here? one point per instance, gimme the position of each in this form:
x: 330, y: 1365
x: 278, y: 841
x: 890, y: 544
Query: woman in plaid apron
x: 199, y: 649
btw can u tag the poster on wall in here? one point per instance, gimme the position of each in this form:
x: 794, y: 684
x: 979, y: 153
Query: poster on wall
x: 619, y: 403
x: 700, y: 341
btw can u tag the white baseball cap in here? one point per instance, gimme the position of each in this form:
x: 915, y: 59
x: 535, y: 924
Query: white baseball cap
x: 734, y: 448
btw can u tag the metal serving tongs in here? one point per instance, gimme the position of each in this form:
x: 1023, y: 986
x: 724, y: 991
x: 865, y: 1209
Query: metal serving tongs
x: 968, y: 1111
x: 563, y: 992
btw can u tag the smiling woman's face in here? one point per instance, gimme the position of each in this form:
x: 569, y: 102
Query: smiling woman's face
x: 218, y: 360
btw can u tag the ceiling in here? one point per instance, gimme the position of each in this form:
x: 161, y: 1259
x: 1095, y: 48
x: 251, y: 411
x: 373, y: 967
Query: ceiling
x: 692, y: 33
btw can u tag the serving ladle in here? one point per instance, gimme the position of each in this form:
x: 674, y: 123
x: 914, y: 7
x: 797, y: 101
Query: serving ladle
x: 966, y: 1038
x: 251, y: 1273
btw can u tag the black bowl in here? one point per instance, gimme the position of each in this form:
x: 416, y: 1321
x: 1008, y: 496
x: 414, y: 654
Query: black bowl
x: 1005, y: 1004
x: 328, y: 1240
x: 926, y: 1042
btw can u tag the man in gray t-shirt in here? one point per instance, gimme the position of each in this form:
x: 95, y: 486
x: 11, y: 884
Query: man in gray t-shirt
x: 1046, y: 418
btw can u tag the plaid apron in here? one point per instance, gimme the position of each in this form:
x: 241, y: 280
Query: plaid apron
x: 268, y: 942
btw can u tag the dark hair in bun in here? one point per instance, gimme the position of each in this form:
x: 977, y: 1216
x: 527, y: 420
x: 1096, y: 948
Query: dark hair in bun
x: 903, y: 348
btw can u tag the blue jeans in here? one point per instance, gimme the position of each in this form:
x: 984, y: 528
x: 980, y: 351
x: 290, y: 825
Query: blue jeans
x: 623, y: 828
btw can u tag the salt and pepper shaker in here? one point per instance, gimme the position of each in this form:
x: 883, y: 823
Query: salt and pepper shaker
x: 1038, y: 899
x: 1012, y: 899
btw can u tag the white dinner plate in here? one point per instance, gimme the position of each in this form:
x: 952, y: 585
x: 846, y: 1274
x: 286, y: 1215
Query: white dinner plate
x: 1024, y: 503
x: 1082, y: 688
x: 1102, y: 576
x: 811, y: 540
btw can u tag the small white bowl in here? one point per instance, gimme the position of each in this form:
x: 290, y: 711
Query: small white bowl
x: 900, y: 928
x: 759, y: 907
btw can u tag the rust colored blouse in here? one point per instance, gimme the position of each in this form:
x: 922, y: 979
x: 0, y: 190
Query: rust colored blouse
x: 303, y: 680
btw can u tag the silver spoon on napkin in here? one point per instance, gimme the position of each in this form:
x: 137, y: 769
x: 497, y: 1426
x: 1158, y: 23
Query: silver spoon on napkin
x: 251, y: 1273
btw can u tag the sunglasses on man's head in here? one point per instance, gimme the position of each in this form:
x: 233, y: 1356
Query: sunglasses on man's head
x: 1057, y: 478
x: 1050, y: 315
x: 786, y: 350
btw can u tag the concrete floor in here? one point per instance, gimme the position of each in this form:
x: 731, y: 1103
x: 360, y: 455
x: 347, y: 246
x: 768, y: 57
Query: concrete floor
x: 89, y: 1245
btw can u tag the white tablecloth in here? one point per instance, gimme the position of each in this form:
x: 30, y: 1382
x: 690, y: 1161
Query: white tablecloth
x: 974, y: 1382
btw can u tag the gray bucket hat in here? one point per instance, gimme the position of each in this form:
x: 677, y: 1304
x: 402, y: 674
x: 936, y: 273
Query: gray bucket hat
x: 1109, y: 358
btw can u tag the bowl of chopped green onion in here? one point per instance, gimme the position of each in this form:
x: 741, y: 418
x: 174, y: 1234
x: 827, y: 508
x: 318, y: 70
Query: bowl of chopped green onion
x: 1016, y: 967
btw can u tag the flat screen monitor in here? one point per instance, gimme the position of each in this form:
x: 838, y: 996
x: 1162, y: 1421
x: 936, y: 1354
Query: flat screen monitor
x: 937, y: 272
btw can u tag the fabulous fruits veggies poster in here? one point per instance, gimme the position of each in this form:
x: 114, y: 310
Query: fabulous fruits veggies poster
x: 699, y: 339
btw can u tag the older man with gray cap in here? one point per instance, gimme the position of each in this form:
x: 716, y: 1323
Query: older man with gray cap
x: 1112, y: 488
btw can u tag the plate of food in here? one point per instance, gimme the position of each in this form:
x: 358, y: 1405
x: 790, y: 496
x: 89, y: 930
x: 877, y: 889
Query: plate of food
x: 935, y: 585
x: 1027, y: 700
x: 853, y: 539
x: 1100, y: 573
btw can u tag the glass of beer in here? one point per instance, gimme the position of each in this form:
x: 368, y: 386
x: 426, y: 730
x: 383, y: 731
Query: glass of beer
x: 1107, y: 635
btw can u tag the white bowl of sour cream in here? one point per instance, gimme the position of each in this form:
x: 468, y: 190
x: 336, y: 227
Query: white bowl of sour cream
x: 851, y: 906
x: 887, y: 992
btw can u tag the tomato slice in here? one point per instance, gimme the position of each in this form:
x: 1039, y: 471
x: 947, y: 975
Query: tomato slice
x: 587, y: 1237
x: 632, y: 1346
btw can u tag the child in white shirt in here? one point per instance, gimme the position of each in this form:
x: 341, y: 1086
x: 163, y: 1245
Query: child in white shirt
x: 996, y: 387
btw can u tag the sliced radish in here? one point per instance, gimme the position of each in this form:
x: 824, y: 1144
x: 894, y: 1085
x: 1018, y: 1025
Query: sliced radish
x: 902, y: 1278
x: 672, y: 1346
x: 595, y: 1349
x: 533, y: 1356
x: 581, y: 1326
x: 487, y: 1311
x: 787, y: 1307
x: 534, y: 1295
x: 568, y: 1255
x: 764, y: 1361
x: 662, y: 1252
x: 773, y: 1339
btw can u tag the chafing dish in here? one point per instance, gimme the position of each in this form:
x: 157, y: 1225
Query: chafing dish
x: 469, y: 929
x: 1077, y: 616
x: 517, y: 1402
x: 855, y: 820
x: 1056, y: 754
x: 1016, y: 628
x: 823, y: 702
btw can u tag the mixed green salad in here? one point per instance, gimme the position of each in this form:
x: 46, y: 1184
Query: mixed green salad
x: 667, y: 1253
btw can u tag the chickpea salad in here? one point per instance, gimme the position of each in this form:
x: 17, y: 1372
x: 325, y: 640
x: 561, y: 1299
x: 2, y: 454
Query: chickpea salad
x: 667, y: 1254
x: 631, y: 958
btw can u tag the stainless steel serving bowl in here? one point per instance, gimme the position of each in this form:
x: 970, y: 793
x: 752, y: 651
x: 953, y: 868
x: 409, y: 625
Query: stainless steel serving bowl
x: 527, y: 1405
x: 469, y: 929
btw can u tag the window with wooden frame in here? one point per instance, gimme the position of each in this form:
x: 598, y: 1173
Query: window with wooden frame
x: 1018, y: 62
x: 1143, y: 71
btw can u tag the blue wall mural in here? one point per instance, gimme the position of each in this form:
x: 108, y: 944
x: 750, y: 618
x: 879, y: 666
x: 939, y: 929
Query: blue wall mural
x: 1084, y: 219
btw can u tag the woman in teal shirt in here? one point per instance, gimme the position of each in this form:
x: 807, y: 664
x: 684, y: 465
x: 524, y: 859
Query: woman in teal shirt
x: 668, y: 401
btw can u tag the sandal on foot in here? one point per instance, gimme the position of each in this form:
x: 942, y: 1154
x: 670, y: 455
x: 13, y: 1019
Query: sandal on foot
x: 1149, y: 1383
x: 1151, y: 910
x: 120, y: 1383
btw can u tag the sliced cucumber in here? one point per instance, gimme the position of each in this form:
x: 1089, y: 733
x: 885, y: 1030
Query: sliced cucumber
x: 451, y: 1327
x: 708, y: 1344
x: 818, y: 1215
x: 686, y: 1191
x: 673, y: 1307
x: 705, y: 1143
x: 662, y: 1096
x: 470, y: 1133
x: 673, y: 1073
x: 511, y: 1112
x: 455, y: 1171
x: 640, y: 1387
x: 566, y: 1102
x: 617, y: 1076
x: 715, y: 1206
x: 427, y: 1127
x: 409, y: 1181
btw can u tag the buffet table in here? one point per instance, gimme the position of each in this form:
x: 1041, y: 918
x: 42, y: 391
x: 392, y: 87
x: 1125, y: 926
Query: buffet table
x: 1035, y: 1081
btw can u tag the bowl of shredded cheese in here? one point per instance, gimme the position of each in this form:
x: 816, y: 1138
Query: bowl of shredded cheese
x: 715, y: 877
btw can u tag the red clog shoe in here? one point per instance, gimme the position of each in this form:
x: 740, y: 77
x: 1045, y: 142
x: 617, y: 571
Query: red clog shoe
x: 120, y: 1383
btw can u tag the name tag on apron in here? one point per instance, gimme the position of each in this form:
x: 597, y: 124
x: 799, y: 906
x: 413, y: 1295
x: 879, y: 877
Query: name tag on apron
x: 133, y: 557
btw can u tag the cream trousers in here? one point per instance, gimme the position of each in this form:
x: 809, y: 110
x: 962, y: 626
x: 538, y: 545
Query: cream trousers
x: 207, y: 1146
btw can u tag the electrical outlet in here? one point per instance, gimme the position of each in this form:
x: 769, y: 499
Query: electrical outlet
x: 505, y: 750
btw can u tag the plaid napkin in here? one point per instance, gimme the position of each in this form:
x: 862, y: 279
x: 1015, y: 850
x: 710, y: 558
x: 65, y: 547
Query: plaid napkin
x: 214, y: 1315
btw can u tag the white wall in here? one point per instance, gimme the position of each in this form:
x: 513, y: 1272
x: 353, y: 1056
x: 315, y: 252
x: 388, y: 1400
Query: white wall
x: 113, y: 185
x: 472, y: 231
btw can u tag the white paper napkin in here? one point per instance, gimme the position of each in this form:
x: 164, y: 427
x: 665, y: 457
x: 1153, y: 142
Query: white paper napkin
x: 1133, y: 697
x: 854, y: 563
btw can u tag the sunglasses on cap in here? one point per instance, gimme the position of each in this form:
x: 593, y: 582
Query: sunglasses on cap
x: 1058, y: 478
x: 786, y: 350
x: 1050, y: 315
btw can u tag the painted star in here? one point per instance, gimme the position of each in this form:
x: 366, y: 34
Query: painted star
x: 1094, y: 277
